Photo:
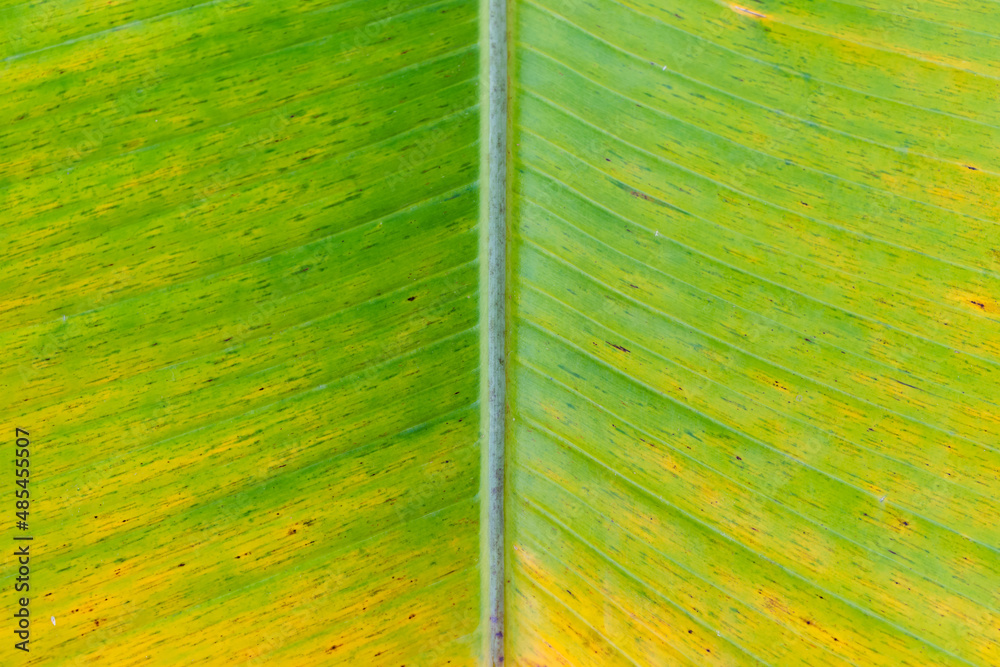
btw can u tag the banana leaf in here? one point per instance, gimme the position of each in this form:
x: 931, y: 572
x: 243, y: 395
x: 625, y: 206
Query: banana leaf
x: 472, y: 332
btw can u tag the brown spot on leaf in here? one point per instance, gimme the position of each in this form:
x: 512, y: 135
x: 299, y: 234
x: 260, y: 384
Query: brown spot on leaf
x: 747, y: 12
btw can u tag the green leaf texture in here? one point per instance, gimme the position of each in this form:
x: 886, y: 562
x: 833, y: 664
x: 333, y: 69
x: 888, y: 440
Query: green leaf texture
x: 241, y: 325
x: 754, y: 350
x: 752, y: 306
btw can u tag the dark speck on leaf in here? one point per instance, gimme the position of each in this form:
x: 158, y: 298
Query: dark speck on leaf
x: 411, y: 298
